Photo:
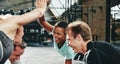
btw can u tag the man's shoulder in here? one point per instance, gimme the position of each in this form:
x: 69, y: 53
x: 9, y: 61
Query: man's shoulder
x: 102, y: 43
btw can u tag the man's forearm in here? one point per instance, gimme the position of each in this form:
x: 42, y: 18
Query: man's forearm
x: 68, y: 61
x: 26, y: 18
x: 45, y: 24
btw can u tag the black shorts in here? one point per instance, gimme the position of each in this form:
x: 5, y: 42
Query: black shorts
x: 6, y: 47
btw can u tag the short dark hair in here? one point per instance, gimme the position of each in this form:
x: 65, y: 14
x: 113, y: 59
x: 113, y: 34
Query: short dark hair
x: 61, y: 24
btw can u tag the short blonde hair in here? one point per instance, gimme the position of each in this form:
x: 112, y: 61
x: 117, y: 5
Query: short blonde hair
x: 82, y: 28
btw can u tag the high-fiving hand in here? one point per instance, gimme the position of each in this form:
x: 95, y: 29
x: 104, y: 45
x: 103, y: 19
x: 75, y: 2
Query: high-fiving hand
x: 42, y: 5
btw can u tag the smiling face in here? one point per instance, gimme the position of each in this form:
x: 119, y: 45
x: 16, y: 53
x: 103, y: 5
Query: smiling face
x: 75, y: 43
x: 79, y: 34
x: 59, y: 35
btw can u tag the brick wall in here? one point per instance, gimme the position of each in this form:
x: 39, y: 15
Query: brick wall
x: 94, y: 13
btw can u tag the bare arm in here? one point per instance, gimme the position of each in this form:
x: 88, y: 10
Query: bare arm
x: 31, y: 16
x: 45, y: 24
x: 68, y: 61
x: 15, y: 22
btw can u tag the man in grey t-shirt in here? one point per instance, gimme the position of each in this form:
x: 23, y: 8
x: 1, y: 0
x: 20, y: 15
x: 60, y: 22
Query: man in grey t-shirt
x: 18, y: 51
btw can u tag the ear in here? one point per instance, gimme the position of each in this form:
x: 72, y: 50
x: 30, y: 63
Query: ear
x: 79, y: 37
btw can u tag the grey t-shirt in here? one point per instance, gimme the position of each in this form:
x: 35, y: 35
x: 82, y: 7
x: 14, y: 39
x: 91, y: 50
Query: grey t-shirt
x: 6, y: 47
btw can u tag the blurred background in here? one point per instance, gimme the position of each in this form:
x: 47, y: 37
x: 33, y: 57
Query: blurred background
x: 103, y: 16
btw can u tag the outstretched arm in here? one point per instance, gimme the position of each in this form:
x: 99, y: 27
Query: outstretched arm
x: 31, y: 16
x: 45, y: 24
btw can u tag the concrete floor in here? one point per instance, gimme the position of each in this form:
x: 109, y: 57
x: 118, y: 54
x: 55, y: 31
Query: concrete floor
x: 42, y: 55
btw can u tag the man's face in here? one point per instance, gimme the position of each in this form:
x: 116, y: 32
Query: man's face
x: 75, y: 43
x: 16, y: 54
x: 59, y: 35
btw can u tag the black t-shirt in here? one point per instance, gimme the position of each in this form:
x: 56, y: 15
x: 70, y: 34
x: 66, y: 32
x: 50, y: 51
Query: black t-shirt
x: 103, y: 53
